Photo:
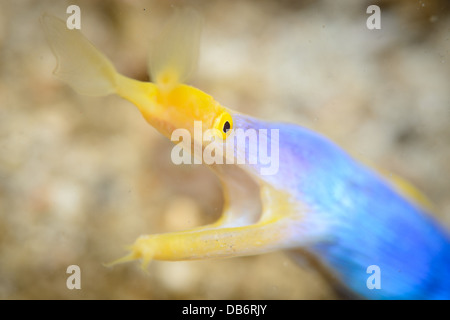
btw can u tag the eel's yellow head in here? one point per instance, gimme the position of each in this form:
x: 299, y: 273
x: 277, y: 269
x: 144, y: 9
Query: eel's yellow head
x: 186, y: 108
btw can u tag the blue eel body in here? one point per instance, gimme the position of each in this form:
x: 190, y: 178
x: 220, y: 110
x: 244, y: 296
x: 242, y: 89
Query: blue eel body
x: 359, y: 219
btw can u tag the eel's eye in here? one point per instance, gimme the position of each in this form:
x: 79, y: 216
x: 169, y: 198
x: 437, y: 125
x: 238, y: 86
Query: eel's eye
x: 224, y: 123
x: 226, y: 126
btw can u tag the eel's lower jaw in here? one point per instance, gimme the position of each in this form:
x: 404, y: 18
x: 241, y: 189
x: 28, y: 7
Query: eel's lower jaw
x: 242, y: 208
x: 211, y: 243
x: 256, y: 219
x: 273, y: 231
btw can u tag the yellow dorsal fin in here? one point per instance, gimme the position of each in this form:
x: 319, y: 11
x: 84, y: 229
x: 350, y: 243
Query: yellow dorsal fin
x: 401, y: 185
x: 407, y: 189
x: 80, y: 64
x: 175, y: 51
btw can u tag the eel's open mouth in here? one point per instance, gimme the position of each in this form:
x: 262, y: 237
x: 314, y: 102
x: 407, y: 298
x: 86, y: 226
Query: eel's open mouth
x: 257, y: 217
x: 242, y: 194
x: 255, y: 220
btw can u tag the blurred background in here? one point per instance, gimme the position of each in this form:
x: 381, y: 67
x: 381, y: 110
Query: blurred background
x: 82, y: 177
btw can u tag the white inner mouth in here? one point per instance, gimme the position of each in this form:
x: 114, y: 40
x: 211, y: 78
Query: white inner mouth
x: 243, y: 204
